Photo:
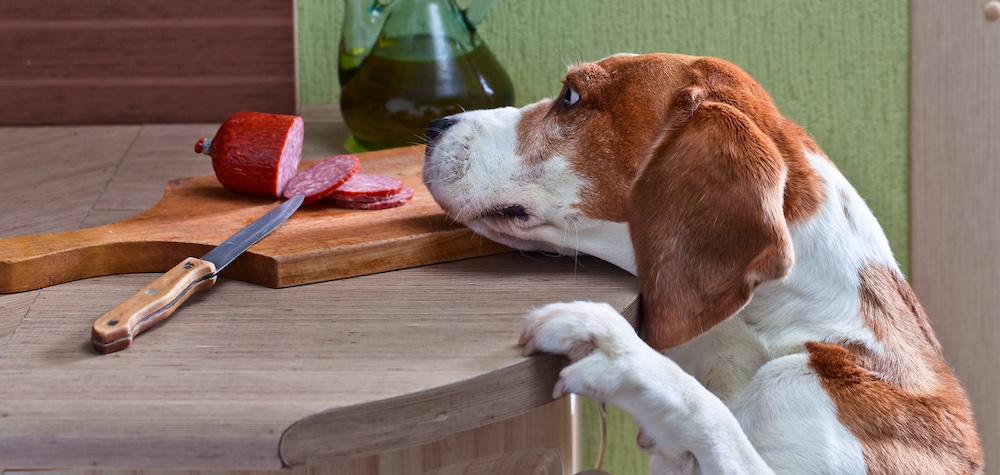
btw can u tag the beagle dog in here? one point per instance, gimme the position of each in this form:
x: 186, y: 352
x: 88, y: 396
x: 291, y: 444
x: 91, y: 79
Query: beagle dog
x: 778, y: 333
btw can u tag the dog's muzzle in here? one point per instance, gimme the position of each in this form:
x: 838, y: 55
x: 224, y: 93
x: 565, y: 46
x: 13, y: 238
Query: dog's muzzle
x: 437, y: 128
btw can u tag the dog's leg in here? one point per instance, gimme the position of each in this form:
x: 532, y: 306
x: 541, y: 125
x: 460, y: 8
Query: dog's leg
x: 686, y: 426
x: 792, y: 422
x: 660, y: 466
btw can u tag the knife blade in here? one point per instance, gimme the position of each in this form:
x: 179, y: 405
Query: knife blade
x: 116, y: 329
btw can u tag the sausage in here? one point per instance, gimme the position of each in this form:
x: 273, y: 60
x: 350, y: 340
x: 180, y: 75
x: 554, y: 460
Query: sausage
x: 367, y: 188
x: 322, y: 178
x: 393, y: 201
x: 255, y: 153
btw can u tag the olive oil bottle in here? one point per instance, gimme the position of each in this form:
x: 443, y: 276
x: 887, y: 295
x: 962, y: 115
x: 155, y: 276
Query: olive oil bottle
x: 427, y: 62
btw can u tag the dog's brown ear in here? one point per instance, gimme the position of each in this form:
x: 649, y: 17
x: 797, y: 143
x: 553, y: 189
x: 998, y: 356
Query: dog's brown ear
x: 707, y: 220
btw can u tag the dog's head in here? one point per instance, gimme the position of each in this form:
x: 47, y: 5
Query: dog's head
x: 688, y: 152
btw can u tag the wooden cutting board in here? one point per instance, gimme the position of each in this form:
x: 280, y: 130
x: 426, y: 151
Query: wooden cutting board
x: 316, y: 244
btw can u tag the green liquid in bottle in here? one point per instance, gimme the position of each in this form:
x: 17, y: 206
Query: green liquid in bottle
x: 407, y: 82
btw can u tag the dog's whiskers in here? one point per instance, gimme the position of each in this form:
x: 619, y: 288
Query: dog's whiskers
x: 437, y: 166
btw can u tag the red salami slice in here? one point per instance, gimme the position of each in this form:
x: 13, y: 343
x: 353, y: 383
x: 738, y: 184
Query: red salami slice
x: 398, y: 199
x: 255, y: 153
x: 367, y: 188
x: 319, y: 180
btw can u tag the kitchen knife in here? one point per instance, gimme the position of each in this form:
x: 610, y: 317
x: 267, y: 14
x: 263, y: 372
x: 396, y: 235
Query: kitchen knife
x: 115, y: 330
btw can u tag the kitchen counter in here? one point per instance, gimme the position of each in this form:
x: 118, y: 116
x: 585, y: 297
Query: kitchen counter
x: 399, y: 372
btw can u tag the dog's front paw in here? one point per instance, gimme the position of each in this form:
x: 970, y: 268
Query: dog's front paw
x: 598, y: 340
x: 575, y: 329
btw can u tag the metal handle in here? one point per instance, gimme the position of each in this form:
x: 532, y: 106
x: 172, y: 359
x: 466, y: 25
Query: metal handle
x: 992, y: 10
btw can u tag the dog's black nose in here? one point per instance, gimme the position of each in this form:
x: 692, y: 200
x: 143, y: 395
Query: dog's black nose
x: 438, y: 126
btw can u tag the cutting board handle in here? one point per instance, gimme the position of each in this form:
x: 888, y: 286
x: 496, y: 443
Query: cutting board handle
x: 33, y: 262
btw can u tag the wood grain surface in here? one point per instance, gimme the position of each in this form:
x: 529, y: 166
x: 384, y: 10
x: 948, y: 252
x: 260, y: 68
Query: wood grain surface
x: 319, y: 242
x: 217, y: 385
x: 955, y: 180
x: 134, y: 61
x: 527, y: 462
x: 514, y: 462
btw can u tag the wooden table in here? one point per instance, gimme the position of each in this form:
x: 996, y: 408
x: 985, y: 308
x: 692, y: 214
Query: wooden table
x: 401, y: 372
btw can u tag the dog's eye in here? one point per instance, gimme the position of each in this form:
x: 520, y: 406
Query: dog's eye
x: 570, y: 97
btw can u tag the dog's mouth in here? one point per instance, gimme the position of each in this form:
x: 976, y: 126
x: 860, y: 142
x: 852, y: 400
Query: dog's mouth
x: 513, y: 225
x: 510, y: 211
x: 494, y: 230
x: 508, y: 218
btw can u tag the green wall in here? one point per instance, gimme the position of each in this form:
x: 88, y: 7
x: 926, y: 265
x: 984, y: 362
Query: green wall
x: 839, y: 68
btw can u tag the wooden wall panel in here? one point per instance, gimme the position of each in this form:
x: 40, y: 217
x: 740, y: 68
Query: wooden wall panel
x: 955, y: 97
x: 142, y: 9
x: 137, y: 61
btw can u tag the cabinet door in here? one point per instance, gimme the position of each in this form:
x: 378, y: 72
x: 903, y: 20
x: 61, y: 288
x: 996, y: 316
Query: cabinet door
x: 139, y: 61
x: 955, y: 192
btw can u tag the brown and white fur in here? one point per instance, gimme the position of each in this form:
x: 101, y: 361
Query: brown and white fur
x: 790, y: 341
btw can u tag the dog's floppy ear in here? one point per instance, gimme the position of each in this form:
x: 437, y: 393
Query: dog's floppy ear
x: 707, y: 220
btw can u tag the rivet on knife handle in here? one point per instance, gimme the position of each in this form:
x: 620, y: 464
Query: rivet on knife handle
x: 115, y: 330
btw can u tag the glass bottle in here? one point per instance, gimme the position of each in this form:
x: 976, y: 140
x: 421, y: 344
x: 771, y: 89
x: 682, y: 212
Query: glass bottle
x: 404, y: 63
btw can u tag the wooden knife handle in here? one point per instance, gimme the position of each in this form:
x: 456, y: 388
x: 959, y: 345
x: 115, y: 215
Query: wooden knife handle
x: 115, y: 330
